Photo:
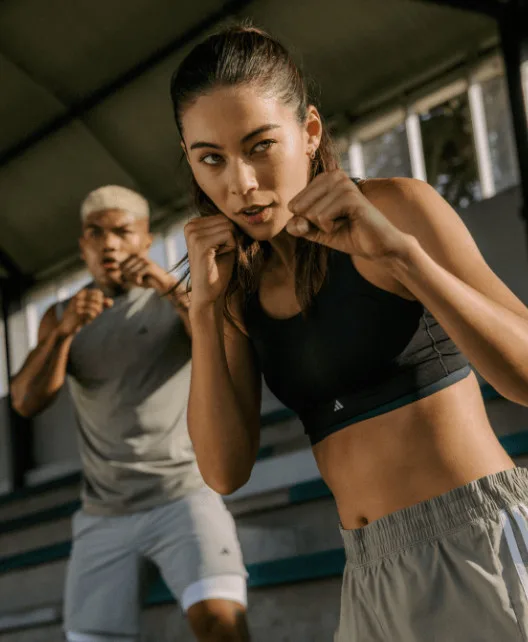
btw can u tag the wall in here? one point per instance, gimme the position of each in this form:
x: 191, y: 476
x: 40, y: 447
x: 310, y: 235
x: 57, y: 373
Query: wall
x: 500, y: 233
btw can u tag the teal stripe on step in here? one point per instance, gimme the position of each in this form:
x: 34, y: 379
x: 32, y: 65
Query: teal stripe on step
x: 265, y: 452
x: 37, y: 489
x: 44, y: 555
x: 515, y: 444
x: 275, y: 416
x: 33, y: 519
x: 307, y: 491
x: 488, y: 392
x: 297, y: 569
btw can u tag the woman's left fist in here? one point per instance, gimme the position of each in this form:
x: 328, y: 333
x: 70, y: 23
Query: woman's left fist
x: 332, y: 211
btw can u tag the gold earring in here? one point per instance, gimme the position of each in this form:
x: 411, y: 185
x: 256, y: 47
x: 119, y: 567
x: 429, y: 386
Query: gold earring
x: 312, y: 155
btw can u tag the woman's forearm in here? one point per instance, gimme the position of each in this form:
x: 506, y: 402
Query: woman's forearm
x: 220, y: 430
x: 493, y: 338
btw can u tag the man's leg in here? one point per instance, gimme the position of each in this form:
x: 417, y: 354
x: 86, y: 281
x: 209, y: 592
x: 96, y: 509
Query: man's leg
x: 101, y: 602
x: 216, y: 608
x: 193, y: 542
x: 218, y: 621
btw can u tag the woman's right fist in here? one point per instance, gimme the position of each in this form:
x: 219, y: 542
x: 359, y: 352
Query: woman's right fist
x: 211, y: 247
x: 82, y: 309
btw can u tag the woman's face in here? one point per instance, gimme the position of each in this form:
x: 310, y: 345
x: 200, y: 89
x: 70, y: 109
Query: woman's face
x: 250, y: 155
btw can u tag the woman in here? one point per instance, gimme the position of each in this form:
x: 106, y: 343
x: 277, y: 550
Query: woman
x: 357, y: 302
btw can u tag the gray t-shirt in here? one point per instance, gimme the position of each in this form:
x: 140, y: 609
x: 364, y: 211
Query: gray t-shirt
x: 129, y: 377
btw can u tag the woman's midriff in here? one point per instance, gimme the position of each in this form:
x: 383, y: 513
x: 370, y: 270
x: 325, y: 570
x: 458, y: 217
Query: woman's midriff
x: 411, y: 454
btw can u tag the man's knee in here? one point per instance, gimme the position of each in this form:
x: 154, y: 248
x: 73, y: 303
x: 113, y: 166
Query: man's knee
x: 219, y: 621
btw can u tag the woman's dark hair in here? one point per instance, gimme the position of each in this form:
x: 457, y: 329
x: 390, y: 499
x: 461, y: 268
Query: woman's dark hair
x: 241, y: 55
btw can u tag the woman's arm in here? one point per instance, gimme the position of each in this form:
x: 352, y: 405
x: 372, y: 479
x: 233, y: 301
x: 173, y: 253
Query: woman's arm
x: 224, y: 403
x: 443, y: 268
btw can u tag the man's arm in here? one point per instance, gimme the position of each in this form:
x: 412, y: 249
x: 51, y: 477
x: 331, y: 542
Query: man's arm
x: 143, y: 272
x: 41, y: 377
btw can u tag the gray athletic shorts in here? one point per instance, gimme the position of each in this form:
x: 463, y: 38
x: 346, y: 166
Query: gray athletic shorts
x: 452, y: 569
x: 192, y: 541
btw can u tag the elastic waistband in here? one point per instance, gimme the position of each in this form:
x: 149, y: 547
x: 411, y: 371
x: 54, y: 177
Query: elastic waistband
x: 480, y: 499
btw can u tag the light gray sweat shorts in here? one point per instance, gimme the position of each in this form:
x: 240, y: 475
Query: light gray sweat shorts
x: 192, y: 540
x: 451, y: 569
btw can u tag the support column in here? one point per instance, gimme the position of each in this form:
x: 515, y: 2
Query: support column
x: 20, y: 432
x: 513, y: 26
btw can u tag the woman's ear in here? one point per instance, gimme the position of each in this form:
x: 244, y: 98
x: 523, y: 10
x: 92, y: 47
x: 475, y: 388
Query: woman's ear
x: 314, y: 130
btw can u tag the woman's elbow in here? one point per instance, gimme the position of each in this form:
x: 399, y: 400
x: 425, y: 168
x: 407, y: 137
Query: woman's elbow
x: 225, y: 484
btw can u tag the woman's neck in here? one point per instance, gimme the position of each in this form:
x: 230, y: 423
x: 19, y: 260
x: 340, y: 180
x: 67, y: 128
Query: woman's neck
x: 283, y: 250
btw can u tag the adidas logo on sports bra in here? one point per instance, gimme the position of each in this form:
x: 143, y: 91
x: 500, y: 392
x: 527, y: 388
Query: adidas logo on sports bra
x: 338, y: 405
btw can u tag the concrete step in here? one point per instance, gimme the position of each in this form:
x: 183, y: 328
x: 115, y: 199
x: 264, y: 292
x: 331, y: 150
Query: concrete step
x: 304, y: 612
x: 40, y: 498
x: 37, y: 558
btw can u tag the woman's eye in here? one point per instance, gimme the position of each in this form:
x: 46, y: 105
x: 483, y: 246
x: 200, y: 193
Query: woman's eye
x: 211, y: 159
x: 263, y: 145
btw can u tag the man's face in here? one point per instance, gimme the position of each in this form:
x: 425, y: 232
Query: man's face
x: 109, y: 237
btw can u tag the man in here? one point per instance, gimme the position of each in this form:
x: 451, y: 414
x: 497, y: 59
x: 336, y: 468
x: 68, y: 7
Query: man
x: 123, y: 344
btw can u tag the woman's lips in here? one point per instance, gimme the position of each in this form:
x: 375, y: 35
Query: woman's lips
x: 261, y: 215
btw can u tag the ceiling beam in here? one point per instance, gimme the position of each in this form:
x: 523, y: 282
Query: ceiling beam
x: 9, y: 265
x: 78, y: 109
x: 492, y: 8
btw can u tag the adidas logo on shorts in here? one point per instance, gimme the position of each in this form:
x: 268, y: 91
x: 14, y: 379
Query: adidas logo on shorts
x: 338, y: 405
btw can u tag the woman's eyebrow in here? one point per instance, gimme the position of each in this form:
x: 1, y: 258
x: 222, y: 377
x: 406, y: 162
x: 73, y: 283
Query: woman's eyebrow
x: 200, y: 144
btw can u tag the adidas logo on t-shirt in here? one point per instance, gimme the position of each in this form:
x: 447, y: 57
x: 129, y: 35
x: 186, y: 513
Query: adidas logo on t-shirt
x: 338, y: 405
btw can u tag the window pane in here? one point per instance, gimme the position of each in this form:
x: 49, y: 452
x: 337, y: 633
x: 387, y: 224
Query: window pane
x: 449, y: 151
x: 39, y: 302
x: 70, y: 286
x: 3, y: 361
x: 525, y: 85
x: 157, y: 252
x: 181, y: 250
x: 341, y: 146
x: 500, y: 133
x: 387, y: 155
x: 43, y: 303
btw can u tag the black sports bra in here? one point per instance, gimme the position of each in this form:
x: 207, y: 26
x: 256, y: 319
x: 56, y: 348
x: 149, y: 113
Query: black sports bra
x: 358, y: 352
